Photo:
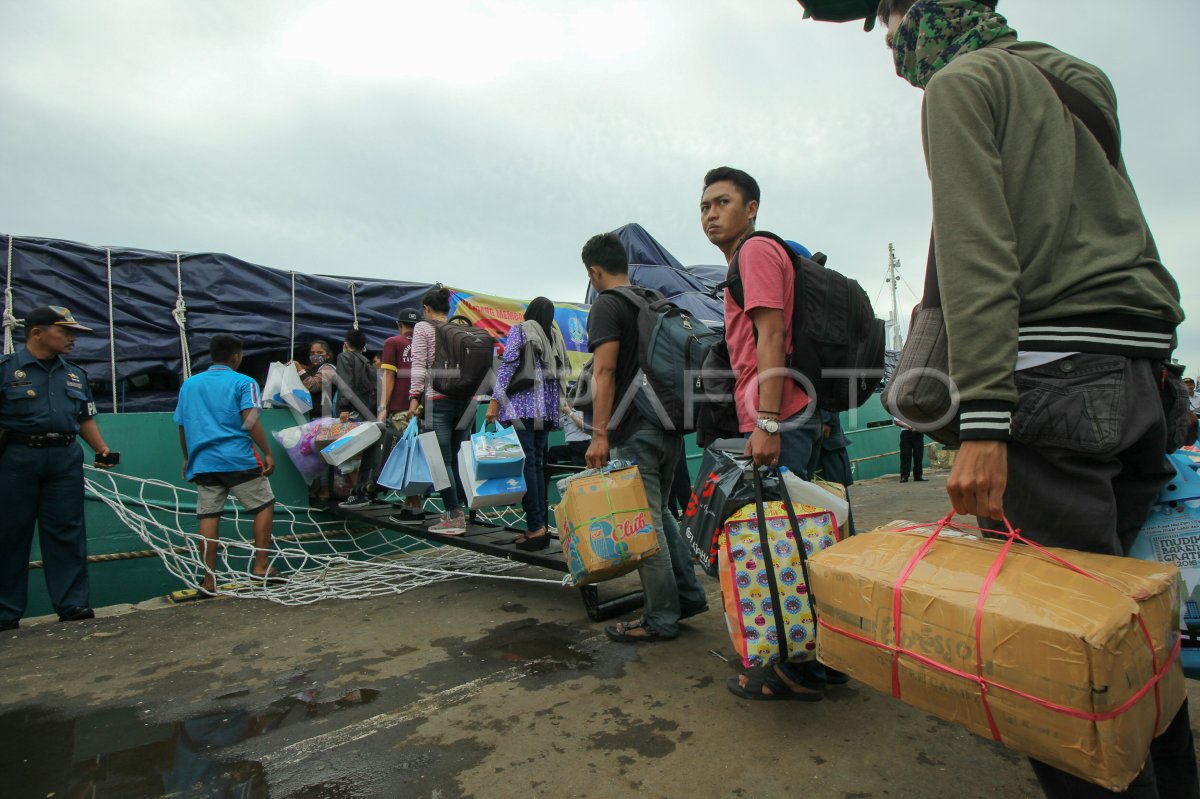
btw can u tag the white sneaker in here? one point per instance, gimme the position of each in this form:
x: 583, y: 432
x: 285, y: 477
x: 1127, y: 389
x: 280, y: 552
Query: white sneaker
x: 450, y: 524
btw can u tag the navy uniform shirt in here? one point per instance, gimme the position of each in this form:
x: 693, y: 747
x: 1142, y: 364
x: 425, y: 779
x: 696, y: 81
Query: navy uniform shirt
x: 43, y: 396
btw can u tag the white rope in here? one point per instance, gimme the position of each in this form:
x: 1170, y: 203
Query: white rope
x: 322, y: 559
x: 354, y: 304
x: 292, y: 335
x: 112, y: 340
x: 180, y: 314
x: 10, y: 321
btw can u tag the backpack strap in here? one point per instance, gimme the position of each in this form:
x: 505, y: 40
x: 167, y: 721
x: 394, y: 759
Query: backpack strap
x: 1084, y: 110
x: 733, y: 278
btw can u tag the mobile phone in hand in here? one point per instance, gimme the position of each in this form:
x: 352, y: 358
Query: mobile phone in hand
x: 111, y: 459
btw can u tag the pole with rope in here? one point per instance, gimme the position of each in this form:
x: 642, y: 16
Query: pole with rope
x: 10, y: 320
x: 180, y: 315
x: 112, y: 340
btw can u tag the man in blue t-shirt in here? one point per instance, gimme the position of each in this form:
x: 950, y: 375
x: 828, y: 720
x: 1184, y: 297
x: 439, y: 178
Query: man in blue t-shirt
x: 218, y: 423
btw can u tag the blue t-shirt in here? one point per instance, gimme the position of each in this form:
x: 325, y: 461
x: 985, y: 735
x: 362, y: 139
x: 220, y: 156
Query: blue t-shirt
x: 210, y: 413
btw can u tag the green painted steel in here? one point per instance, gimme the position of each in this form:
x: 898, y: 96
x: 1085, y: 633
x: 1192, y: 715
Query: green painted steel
x: 149, y: 446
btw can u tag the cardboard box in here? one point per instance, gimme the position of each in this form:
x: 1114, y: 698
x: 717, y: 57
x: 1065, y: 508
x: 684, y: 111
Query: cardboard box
x: 1047, y: 631
x: 604, y: 525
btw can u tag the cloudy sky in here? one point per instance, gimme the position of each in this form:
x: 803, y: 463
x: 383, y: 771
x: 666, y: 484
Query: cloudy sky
x: 479, y: 143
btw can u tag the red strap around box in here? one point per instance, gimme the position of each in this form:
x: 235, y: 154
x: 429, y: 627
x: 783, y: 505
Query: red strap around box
x: 984, y: 683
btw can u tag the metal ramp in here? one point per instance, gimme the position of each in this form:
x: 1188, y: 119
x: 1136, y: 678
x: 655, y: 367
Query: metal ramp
x: 496, y: 540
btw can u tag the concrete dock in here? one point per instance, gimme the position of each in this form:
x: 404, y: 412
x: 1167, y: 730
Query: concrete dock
x: 471, y: 688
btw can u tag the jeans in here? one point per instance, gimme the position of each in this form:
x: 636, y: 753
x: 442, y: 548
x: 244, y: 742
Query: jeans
x: 452, y: 425
x: 1085, y: 463
x: 796, y: 442
x: 668, y: 578
x: 533, y: 443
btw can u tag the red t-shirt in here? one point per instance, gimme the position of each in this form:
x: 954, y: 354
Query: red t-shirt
x: 768, y: 281
x: 397, y: 357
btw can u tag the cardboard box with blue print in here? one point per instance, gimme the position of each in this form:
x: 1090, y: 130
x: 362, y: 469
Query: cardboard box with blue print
x: 605, y: 525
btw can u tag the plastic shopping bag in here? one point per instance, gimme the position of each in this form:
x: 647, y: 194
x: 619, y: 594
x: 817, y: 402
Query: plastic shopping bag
x: 485, y: 493
x: 497, y: 453
x: 297, y: 442
x: 285, y: 388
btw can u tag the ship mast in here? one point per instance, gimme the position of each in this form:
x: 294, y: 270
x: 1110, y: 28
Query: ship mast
x: 893, y: 281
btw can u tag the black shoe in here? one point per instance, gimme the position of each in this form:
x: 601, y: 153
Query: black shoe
x: 920, y: 480
x: 903, y: 479
x: 77, y: 614
x: 354, y: 502
x: 534, y: 544
x: 5, y: 626
x: 408, y: 516
x: 687, y: 614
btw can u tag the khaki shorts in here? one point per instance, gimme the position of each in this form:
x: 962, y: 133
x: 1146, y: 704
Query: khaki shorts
x: 254, y: 495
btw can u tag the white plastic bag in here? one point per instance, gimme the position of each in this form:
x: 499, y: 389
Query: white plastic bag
x: 284, y: 388
x: 813, y: 494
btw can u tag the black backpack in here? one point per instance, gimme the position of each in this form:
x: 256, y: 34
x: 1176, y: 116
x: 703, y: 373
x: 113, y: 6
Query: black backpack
x: 837, y: 342
x: 462, y: 360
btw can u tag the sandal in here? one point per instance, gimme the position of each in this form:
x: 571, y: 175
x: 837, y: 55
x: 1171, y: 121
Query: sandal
x: 769, y: 677
x: 271, y: 577
x: 621, y: 633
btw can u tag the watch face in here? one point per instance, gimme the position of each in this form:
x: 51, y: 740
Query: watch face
x: 768, y: 426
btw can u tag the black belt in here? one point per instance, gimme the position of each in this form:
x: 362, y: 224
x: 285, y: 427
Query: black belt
x: 39, y: 439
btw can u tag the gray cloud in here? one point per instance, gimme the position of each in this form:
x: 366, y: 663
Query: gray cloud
x: 480, y: 143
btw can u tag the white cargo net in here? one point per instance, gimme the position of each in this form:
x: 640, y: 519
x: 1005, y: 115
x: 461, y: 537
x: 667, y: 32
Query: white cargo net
x: 337, y: 559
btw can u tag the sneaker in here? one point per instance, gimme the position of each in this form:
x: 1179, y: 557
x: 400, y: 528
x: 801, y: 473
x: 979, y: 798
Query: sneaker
x: 450, y: 524
x: 5, y: 626
x: 353, y: 502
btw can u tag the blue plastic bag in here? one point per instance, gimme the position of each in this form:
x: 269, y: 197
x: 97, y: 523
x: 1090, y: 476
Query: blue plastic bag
x: 498, y: 453
x: 406, y: 469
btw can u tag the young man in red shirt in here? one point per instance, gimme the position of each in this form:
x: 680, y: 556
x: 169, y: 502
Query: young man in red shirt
x: 780, y: 423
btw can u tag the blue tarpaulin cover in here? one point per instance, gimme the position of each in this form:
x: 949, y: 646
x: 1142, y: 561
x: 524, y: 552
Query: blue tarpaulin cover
x: 222, y: 294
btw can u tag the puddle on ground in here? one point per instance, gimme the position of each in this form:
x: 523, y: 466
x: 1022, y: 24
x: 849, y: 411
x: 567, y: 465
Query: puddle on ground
x: 543, y: 647
x: 116, y: 754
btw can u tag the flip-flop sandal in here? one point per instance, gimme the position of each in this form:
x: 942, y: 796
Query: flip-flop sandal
x: 620, y: 633
x: 769, y: 677
x: 272, y: 577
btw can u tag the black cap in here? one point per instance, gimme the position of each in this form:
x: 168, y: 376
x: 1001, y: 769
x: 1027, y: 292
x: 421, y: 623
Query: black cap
x: 408, y: 317
x: 53, y: 315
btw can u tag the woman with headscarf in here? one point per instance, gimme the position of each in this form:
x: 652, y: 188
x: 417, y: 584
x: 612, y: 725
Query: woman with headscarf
x: 534, y: 409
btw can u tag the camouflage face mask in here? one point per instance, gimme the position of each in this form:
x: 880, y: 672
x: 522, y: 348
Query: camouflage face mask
x: 933, y: 32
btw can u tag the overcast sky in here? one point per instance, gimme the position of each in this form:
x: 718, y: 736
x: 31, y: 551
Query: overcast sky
x: 480, y: 143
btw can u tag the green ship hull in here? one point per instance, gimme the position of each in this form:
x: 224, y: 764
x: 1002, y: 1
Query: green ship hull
x: 125, y: 569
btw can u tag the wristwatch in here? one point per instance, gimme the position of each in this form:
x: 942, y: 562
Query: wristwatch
x: 768, y: 426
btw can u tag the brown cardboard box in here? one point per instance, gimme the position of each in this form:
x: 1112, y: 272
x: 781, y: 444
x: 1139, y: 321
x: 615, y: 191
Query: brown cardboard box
x: 605, y: 525
x: 1046, y: 631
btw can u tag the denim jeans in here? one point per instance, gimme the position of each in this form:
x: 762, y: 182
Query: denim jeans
x: 668, y: 578
x: 797, y: 440
x: 533, y: 443
x: 452, y: 425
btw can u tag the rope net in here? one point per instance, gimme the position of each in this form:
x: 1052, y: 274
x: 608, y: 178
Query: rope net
x: 320, y: 559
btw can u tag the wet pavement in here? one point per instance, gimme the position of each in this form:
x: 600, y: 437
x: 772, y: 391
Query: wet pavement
x: 473, y: 688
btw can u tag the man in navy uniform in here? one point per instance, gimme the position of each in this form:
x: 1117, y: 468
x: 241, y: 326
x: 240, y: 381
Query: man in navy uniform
x: 45, y: 402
